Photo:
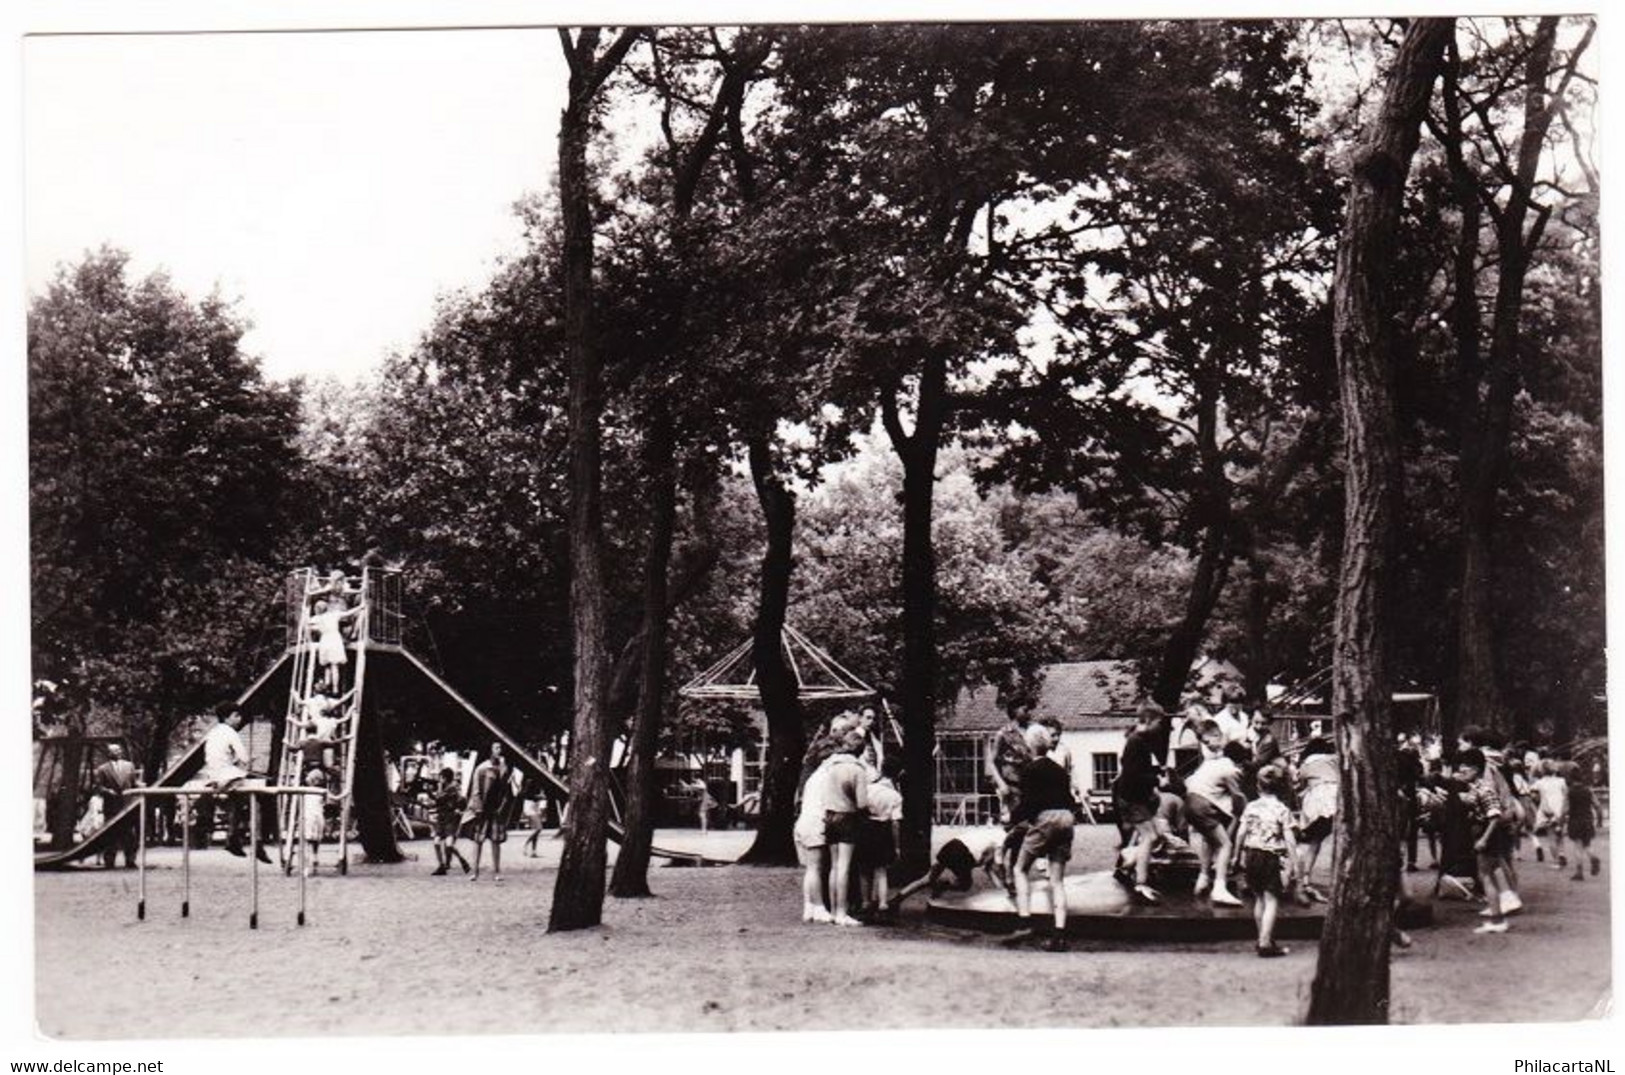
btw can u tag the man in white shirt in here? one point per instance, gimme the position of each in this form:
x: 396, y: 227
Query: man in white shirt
x: 225, y: 761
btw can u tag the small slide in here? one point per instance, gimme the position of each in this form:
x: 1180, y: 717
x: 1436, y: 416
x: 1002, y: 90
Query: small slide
x: 182, y: 771
x: 126, y: 819
x: 528, y: 763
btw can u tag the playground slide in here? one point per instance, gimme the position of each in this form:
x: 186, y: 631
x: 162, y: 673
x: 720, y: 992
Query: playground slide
x: 177, y: 774
x: 98, y: 841
x: 528, y: 763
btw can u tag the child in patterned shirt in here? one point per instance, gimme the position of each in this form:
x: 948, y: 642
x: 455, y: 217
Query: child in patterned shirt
x: 1268, y: 848
x: 1493, y: 838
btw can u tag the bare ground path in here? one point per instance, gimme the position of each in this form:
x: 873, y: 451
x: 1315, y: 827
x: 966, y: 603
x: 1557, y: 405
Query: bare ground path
x: 392, y: 950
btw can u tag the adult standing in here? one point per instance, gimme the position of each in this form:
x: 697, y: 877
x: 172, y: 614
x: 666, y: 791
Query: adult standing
x: 111, y: 780
x: 490, y: 797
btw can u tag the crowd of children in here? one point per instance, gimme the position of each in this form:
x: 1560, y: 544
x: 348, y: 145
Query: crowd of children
x: 1256, y: 815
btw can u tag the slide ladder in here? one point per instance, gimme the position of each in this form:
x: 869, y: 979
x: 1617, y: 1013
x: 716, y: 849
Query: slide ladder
x: 302, y: 688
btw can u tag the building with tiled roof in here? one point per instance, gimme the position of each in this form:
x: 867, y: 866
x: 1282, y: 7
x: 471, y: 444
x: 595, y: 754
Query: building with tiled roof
x: 1095, y: 703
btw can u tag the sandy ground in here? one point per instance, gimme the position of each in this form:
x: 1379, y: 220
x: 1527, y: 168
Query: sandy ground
x: 392, y: 950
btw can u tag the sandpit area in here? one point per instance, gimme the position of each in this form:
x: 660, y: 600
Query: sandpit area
x: 392, y: 950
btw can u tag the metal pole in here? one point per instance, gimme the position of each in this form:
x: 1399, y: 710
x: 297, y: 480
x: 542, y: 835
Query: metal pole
x: 304, y: 845
x: 185, y: 802
x: 254, y: 859
x: 141, y: 859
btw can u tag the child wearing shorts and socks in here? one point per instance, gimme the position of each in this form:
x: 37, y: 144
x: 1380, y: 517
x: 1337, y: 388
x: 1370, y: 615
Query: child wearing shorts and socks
x: 1492, y: 840
x: 846, y: 804
x: 448, y: 814
x: 811, y: 845
x: 1046, y: 812
x: 1268, y: 849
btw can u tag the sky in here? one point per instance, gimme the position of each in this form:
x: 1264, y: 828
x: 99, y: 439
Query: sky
x: 333, y: 183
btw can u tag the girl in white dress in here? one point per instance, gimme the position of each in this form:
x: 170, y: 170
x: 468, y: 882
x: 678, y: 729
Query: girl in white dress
x: 326, y: 624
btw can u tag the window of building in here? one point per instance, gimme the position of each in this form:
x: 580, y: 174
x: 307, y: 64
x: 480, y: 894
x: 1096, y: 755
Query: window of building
x: 959, y: 765
x: 1105, y: 771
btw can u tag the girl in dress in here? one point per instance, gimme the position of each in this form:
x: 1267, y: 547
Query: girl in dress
x: 326, y: 623
x: 314, y: 822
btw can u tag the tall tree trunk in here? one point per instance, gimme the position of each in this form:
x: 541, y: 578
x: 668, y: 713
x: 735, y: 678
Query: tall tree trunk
x: 1474, y: 663
x: 578, y: 894
x: 1213, y: 558
x: 1185, y: 641
x: 918, y: 453
x: 1257, y: 671
x: 1351, y: 983
x: 786, y: 735
x: 1487, y: 390
x: 631, y: 875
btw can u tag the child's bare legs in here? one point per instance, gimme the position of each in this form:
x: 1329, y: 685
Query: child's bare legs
x: 812, y: 887
x: 1221, y: 871
x: 840, y: 883
x: 1057, y: 892
x: 1204, y: 860
x: 1024, y: 888
x: 1265, y: 908
x: 496, y: 859
x: 1487, y: 877
x: 1308, y: 854
x: 1555, y: 838
x: 879, y: 885
x: 479, y: 846
x: 1146, y: 836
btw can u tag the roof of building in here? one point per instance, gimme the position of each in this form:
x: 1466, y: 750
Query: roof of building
x: 1080, y: 694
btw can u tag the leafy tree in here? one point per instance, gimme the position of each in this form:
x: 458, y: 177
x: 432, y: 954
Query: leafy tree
x: 578, y: 895
x: 1500, y: 106
x: 1351, y: 983
x: 1180, y: 399
x: 160, y: 463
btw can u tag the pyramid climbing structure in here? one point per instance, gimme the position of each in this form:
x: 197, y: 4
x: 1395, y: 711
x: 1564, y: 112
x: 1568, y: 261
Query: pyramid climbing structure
x: 817, y: 674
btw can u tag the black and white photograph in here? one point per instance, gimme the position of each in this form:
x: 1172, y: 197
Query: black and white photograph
x: 900, y: 524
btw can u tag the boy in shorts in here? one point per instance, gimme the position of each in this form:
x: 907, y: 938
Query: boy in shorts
x: 877, y: 837
x: 846, y: 803
x: 1007, y: 760
x: 1046, y: 810
x: 1267, y: 851
x: 1136, y: 802
x: 448, y: 811
x: 1492, y: 839
x: 1210, y: 794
